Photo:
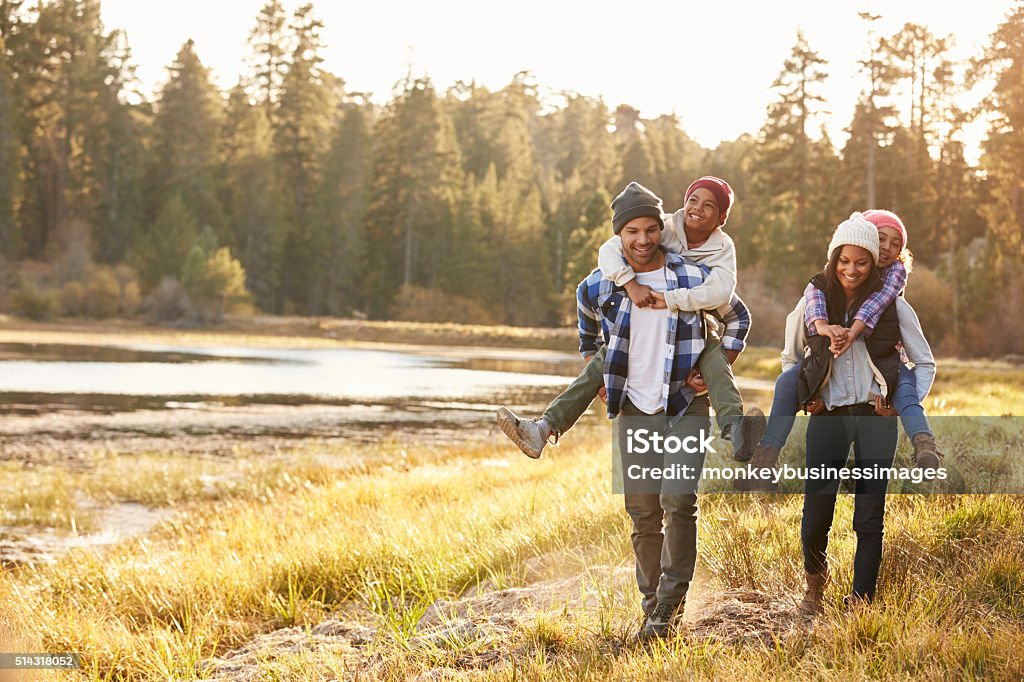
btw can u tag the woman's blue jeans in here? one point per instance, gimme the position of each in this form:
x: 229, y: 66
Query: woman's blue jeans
x: 784, y: 407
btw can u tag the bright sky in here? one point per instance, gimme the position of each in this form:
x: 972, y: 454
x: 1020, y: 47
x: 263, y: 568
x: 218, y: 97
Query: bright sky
x: 712, y: 63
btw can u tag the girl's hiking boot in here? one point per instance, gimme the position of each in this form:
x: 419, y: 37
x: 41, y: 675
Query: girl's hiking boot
x: 814, y: 596
x: 751, y: 429
x: 926, y: 452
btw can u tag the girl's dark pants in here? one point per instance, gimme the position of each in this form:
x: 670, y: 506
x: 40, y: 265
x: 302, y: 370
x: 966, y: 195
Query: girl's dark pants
x: 829, y: 436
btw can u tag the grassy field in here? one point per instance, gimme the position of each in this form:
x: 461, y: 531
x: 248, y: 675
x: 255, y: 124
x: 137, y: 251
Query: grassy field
x: 397, y: 561
x: 372, y: 545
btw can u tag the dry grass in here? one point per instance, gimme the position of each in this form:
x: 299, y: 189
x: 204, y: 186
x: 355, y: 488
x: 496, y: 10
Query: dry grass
x: 385, y: 542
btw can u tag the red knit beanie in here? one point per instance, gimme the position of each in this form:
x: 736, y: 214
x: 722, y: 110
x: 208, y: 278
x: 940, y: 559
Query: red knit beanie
x: 880, y: 219
x: 720, y: 188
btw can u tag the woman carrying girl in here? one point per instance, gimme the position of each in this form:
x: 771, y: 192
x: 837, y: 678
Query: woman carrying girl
x: 849, y: 396
x: 895, y: 262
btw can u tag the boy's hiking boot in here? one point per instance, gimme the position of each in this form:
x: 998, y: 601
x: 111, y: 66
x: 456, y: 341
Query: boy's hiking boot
x: 659, y: 624
x: 815, y: 594
x: 926, y: 452
x: 751, y: 428
x: 525, y: 433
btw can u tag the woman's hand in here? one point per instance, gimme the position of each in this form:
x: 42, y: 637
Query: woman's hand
x: 882, y: 410
x: 640, y: 294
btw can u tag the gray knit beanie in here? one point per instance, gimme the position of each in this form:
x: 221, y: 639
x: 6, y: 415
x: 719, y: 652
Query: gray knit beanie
x: 636, y: 201
x: 858, y: 231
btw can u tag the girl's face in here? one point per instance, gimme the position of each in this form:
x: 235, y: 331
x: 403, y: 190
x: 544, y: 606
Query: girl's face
x: 853, y: 267
x: 890, y: 243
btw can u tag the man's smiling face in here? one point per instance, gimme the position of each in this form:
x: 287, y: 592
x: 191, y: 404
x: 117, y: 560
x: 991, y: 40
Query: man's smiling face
x: 640, y: 240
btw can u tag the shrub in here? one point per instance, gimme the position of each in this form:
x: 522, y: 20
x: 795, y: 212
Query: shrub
x: 30, y: 301
x: 932, y: 298
x: 417, y: 304
x: 72, y: 299
x: 104, y: 293
x: 168, y: 301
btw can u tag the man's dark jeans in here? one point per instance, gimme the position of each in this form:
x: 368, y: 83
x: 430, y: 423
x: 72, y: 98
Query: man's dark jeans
x: 665, y: 525
x: 829, y: 436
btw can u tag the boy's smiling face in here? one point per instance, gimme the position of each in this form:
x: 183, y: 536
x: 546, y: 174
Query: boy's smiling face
x: 890, y: 243
x: 701, y: 213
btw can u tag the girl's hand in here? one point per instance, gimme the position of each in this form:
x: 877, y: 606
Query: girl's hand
x: 882, y: 410
x: 659, y: 300
x: 847, y: 342
x: 640, y: 294
x: 839, y: 340
x: 816, y: 406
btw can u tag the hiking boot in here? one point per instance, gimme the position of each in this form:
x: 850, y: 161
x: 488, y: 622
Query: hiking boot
x: 525, y: 433
x: 926, y: 452
x: 659, y: 624
x: 852, y: 602
x: 815, y: 594
x: 765, y: 457
x: 751, y: 429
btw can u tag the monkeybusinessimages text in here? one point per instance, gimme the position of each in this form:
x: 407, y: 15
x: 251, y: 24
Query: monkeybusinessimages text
x: 651, y: 442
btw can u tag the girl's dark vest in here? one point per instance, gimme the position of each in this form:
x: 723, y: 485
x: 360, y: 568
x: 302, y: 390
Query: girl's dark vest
x: 881, y: 346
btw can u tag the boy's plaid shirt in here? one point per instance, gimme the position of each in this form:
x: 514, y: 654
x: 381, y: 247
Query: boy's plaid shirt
x: 604, y: 310
x: 894, y: 279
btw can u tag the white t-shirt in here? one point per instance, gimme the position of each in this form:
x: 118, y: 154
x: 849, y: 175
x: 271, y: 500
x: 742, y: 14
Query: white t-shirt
x: 648, y: 328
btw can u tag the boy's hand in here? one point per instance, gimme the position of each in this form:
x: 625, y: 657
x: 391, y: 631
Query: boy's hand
x: 696, y: 381
x: 640, y: 294
x: 659, y: 300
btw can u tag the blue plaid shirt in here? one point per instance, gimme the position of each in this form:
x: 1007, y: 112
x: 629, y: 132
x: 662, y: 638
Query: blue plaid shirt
x: 604, y: 309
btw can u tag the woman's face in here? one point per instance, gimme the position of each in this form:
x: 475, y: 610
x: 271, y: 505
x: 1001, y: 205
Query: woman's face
x: 853, y: 267
x: 890, y: 243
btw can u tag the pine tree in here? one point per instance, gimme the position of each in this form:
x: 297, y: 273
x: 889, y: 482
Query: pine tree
x: 186, y: 147
x: 340, y: 220
x: 415, y: 173
x: 251, y: 199
x: 10, y: 177
x: 1004, y: 146
x: 67, y: 78
x: 788, y: 165
x: 301, y: 137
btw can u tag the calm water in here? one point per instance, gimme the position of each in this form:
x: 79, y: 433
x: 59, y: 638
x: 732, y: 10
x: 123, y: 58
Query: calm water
x: 46, y: 373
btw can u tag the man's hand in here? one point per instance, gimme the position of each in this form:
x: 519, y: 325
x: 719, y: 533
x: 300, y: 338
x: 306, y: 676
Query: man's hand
x: 696, y: 381
x: 731, y: 356
x: 602, y: 393
x: 640, y: 294
x: 882, y: 410
x: 816, y: 406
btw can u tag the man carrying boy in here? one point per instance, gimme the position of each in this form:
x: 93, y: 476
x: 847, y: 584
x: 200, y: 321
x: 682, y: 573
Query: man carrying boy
x: 695, y: 232
x: 651, y: 354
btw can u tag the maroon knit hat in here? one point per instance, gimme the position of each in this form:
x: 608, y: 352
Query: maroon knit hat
x: 720, y: 188
x: 880, y: 219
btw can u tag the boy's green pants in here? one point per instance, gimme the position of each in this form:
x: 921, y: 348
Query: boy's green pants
x: 570, y: 405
